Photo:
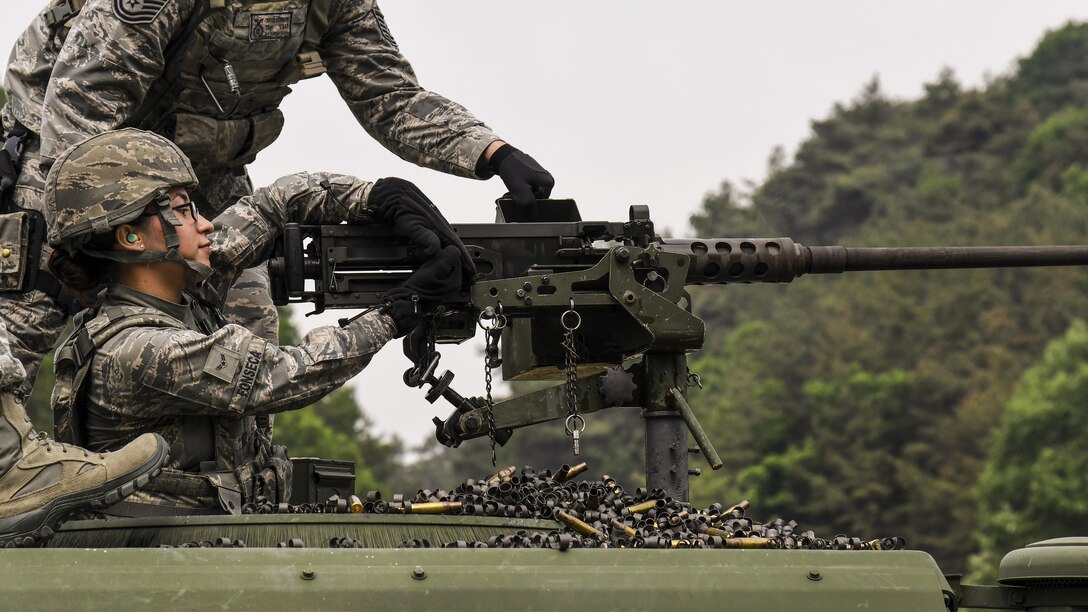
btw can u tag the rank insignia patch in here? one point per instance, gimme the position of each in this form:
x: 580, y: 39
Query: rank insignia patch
x: 137, y: 11
x: 222, y: 363
x: 269, y: 26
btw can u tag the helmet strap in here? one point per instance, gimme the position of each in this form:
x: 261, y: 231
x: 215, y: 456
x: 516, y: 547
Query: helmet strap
x: 169, y: 221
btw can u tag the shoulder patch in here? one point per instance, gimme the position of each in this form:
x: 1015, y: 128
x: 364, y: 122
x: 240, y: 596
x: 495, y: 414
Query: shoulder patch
x: 222, y: 363
x: 138, y: 11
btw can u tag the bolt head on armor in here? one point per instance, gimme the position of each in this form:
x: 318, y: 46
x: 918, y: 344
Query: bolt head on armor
x: 108, y: 180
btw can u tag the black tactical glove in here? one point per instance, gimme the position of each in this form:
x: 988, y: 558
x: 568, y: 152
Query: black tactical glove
x: 525, y: 179
x: 438, y: 280
x: 402, y: 207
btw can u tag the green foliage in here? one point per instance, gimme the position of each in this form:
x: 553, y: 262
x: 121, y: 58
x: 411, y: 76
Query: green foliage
x: 1032, y: 487
x: 1058, y: 145
x: 1050, y: 77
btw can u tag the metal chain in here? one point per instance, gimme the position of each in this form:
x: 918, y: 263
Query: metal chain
x: 492, y: 333
x: 575, y: 423
x: 694, y: 380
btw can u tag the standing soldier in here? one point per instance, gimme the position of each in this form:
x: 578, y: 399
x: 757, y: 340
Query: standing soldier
x: 210, y: 75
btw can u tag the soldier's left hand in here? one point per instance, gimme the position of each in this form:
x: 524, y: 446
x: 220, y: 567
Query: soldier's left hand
x: 522, y: 175
x: 409, y: 213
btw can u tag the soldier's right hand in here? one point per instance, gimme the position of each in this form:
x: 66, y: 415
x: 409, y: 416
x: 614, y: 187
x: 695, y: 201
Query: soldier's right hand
x: 437, y: 281
x: 526, y: 180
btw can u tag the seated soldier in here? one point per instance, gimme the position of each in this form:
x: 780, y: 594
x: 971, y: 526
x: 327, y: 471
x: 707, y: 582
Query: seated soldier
x: 152, y: 354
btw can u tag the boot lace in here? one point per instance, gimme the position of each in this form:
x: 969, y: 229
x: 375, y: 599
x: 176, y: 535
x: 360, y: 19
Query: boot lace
x: 50, y: 444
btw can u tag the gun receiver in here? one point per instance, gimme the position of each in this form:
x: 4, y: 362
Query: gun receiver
x: 627, y: 285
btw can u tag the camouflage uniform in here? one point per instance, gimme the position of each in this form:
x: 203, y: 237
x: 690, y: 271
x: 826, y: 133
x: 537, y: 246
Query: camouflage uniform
x: 112, y: 71
x: 199, y: 384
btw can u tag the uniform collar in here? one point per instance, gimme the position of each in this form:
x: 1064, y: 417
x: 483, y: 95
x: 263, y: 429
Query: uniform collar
x: 123, y: 295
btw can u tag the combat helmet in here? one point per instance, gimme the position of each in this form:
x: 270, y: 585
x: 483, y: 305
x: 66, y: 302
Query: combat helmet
x: 111, y: 179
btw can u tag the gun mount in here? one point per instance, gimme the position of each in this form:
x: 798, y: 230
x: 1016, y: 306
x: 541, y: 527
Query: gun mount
x: 617, y: 290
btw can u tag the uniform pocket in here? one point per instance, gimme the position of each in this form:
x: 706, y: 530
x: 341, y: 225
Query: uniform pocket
x: 214, y: 144
x: 14, y: 239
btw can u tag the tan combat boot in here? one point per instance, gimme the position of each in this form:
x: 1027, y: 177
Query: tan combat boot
x: 42, y: 482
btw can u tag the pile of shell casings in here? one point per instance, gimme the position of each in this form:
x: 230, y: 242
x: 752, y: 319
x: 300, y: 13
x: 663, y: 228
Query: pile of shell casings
x: 221, y: 542
x: 591, y: 514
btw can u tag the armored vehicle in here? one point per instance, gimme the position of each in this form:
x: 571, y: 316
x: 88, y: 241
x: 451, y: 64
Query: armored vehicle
x: 601, y: 308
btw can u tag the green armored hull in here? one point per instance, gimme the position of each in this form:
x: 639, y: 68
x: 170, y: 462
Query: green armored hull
x: 139, y: 564
x: 109, y: 576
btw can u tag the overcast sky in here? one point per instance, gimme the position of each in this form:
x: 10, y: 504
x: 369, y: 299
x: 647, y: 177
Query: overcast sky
x: 633, y: 103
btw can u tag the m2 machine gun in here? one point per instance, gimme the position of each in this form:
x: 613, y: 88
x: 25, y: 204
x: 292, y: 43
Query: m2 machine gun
x: 601, y: 306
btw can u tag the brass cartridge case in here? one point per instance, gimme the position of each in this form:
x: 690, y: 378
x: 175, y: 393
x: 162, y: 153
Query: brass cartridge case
x: 433, y: 508
x: 578, y: 525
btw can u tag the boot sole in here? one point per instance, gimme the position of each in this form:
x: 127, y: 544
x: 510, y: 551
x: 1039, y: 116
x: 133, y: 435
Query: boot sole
x: 35, y: 527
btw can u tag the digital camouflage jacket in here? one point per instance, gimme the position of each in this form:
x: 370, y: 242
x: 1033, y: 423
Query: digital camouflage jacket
x: 212, y: 77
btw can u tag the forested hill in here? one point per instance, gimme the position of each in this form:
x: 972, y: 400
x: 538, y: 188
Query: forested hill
x: 867, y: 403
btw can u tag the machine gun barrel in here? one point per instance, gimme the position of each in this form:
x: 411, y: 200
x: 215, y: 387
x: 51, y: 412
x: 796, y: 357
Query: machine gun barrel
x: 834, y: 259
x: 780, y: 260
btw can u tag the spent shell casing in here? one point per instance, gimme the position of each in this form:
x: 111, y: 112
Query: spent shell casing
x: 578, y: 525
x: 738, y: 509
x: 502, y: 474
x: 433, y: 508
x: 561, y: 474
x: 577, y: 469
x: 645, y: 506
x: 714, y: 531
x: 356, y: 504
x: 749, y: 543
x: 616, y: 523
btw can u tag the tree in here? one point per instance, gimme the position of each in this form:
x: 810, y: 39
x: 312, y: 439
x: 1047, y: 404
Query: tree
x: 1032, y: 487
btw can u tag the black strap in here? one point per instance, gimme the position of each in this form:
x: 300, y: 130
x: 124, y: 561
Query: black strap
x: 49, y: 285
x: 181, y: 483
x: 80, y: 353
x: 10, y: 163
